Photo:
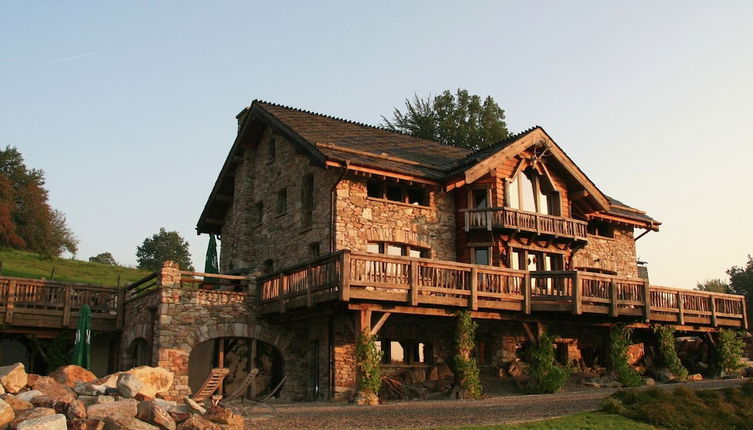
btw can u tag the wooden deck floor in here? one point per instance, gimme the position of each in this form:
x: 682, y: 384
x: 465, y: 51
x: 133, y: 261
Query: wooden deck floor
x: 421, y: 284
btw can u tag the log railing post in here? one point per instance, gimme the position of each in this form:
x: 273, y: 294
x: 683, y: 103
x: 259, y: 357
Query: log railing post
x: 413, y: 293
x: 489, y: 222
x: 680, y: 308
x: 67, y: 307
x: 613, y: 306
x: 282, y: 281
x: 744, y: 303
x: 345, y: 276
x: 577, y: 294
x: 473, y: 304
x: 713, y: 310
x: 527, y: 293
x: 11, y: 302
x: 646, y: 301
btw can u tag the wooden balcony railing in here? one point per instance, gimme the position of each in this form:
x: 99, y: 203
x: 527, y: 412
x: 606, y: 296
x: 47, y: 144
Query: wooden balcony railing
x: 491, y: 218
x: 47, y: 304
x: 346, y: 276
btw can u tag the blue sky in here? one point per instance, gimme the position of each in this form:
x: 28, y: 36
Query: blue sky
x: 129, y: 106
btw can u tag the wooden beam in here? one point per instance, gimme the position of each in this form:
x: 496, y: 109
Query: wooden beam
x: 383, y: 173
x: 577, y: 195
x: 530, y: 334
x: 364, y: 321
x: 380, y: 323
x: 439, y: 312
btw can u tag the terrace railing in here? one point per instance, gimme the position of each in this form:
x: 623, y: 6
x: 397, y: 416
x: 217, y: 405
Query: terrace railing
x: 513, y: 219
x: 347, y: 275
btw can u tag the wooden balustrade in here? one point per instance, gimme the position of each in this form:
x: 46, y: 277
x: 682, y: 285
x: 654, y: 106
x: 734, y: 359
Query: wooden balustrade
x: 347, y: 276
x: 497, y: 217
x: 50, y: 304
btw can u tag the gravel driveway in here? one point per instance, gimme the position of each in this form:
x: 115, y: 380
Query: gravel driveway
x: 446, y: 413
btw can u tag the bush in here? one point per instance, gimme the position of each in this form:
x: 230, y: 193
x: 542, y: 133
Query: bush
x: 619, y: 341
x: 369, y: 358
x: 729, y: 349
x: 466, y: 366
x: 668, y: 353
x: 546, y: 376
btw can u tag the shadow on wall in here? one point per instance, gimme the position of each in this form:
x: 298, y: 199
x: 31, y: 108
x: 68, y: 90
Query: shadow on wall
x: 237, y: 354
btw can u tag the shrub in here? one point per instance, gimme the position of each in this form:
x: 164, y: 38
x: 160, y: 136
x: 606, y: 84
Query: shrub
x: 668, y: 353
x: 466, y: 366
x: 619, y: 341
x: 369, y: 358
x: 729, y: 349
x: 546, y: 376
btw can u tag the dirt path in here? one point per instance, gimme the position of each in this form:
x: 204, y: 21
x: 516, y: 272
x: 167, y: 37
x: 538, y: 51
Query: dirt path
x: 428, y: 414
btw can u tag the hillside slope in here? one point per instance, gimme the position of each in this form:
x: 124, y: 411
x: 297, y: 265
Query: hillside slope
x: 29, y: 265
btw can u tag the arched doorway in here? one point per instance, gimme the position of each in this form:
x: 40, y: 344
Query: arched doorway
x: 140, y: 352
x: 240, y: 355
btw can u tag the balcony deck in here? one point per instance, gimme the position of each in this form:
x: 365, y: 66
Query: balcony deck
x: 513, y: 219
x: 348, y: 276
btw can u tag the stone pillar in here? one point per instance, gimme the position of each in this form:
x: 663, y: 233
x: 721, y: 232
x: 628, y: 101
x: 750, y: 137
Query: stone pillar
x: 344, y: 355
x: 169, y: 274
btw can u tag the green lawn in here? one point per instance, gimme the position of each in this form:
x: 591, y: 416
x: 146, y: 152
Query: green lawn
x: 29, y: 265
x: 584, y: 421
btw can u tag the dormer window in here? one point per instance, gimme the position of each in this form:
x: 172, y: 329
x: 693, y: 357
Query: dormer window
x: 532, y: 192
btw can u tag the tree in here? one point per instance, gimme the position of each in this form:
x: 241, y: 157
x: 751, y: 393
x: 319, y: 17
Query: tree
x: 103, y: 258
x: 163, y: 246
x: 462, y: 119
x: 26, y: 219
x: 741, y: 279
x: 715, y: 285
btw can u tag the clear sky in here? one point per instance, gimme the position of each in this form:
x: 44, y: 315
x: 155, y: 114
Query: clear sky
x: 129, y: 106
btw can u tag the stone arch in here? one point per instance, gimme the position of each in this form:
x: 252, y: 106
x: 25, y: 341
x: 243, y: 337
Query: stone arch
x: 253, y: 330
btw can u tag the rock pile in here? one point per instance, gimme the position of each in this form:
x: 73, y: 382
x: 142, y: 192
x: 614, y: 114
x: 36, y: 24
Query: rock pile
x: 72, y: 398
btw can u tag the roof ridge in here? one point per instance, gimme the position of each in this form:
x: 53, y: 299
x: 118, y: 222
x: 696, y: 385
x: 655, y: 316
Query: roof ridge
x: 348, y: 121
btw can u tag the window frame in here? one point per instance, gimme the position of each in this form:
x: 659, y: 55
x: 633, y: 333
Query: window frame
x: 382, y: 186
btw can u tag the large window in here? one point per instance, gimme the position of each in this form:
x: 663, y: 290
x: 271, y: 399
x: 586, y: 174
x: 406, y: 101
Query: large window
x: 480, y: 198
x: 532, y: 192
x: 482, y: 255
x: 397, y: 193
x: 398, y: 249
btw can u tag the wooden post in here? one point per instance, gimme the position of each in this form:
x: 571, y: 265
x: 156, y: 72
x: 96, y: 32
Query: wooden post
x: 577, y: 294
x: 647, y: 301
x: 745, y: 312
x: 309, y: 286
x: 467, y: 221
x: 680, y: 307
x: 221, y: 361
x: 67, y: 307
x: 345, y: 276
x: 283, y: 282
x: 413, y: 294
x: 121, y: 309
x: 613, y: 307
x: 364, y: 320
x: 527, y: 293
x: 10, y: 303
x: 473, y: 304
x: 713, y: 310
x: 489, y: 220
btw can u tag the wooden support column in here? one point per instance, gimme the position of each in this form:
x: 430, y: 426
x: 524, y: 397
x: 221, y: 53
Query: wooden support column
x: 680, y: 308
x: 221, y: 361
x: 646, y: 301
x: 380, y: 323
x: 364, y: 320
x: 345, y: 276
x: 745, y: 312
x: 309, y: 286
x: 713, y: 311
x: 413, y: 293
x: 613, y: 307
x: 473, y: 303
x: 67, y: 307
x: 577, y: 294
x: 533, y: 336
x: 527, y: 293
x: 10, y: 303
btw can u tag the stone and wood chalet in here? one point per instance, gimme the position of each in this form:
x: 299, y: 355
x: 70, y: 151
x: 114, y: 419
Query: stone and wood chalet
x: 329, y: 227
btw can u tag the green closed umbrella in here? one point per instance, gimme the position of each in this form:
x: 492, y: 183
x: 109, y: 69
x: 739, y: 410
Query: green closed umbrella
x: 82, y: 347
x: 210, y: 264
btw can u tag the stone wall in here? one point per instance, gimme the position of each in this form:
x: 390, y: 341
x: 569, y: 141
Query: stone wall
x: 247, y: 243
x: 362, y: 219
x: 615, y: 254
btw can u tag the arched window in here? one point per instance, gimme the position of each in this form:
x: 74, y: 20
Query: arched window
x: 532, y: 192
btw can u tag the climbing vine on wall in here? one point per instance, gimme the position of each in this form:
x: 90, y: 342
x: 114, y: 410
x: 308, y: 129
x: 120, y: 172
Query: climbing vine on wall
x: 729, y: 349
x: 546, y: 376
x: 466, y: 366
x: 619, y: 341
x: 668, y: 352
x: 369, y: 358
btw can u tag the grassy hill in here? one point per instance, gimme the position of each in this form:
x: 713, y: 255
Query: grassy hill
x: 29, y: 265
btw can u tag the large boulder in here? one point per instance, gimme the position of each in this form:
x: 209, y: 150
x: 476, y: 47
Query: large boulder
x: 154, y: 379
x: 60, y: 406
x: 13, y: 378
x: 86, y: 424
x: 225, y: 416
x: 194, y: 406
x: 71, y: 375
x: 129, y: 385
x: 76, y: 410
x: 50, y: 387
x: 151, y: 412
x: 15, y: 403
x: 28, y: 414
x: 26, y: 396
x: 50, y: 422
x: 126, y: 408
x: 196, y: 422
x: 6, y: 415
x: 119, y: 422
